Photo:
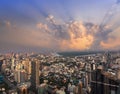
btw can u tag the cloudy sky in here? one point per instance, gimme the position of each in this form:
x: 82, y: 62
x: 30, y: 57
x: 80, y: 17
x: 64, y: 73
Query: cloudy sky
x: 59, y: 25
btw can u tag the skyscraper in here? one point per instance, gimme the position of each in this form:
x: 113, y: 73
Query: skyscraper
x: 35, y: 74
x: 80, y: 91
x: 118, y: 74
x: 23, y: 89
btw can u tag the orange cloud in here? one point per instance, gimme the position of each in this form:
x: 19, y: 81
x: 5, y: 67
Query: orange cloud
x: 111, y: 43
x: 79, y: 38
x: 78, y: 43
x: 42, y: 26
x: 8, y: 23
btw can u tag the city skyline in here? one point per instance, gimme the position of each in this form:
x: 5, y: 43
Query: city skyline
x: 59, y: 25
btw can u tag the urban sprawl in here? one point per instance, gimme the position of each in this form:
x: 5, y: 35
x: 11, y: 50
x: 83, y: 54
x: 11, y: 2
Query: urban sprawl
x: 57, y: 74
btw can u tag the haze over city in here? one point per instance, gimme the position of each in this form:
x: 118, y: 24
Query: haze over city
x: 59, y: 25
x: 59, y: 46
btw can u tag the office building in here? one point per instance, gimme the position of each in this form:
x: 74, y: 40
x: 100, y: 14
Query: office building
x: 35, y: 74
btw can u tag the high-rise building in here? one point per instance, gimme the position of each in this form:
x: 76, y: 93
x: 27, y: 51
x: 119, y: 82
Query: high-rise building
x: 13, y: 91
x: 86, y: 80
x: 20, y: 76
x: 35, y: 74
x: 17, y: 76
x: 27, y: 67
x: 12, y: 63
x: 118, y: 74
x: 23, y: 89
x: 80, y: 91
x: 103, y: 83
x: 1, y: 62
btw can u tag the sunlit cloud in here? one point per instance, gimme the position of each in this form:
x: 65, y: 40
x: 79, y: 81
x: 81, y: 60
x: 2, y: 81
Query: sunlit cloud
x: 79, y: 38
x: 111, y: 44
x: 63, y: 28
x: 42, y: 27
x: 5, y: 23
x: 51, y: 19
x: 8, y: 24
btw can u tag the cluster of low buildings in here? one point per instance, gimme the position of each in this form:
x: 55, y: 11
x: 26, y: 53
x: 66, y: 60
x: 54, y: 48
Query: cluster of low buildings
x: 55, y: 74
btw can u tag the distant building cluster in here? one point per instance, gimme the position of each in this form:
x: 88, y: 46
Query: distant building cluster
x: 55, y: 74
